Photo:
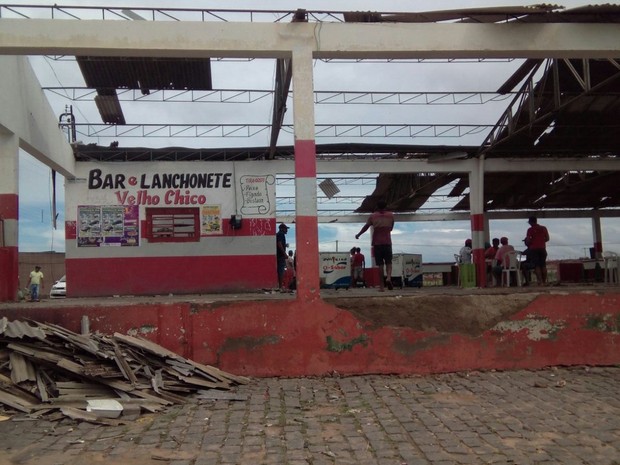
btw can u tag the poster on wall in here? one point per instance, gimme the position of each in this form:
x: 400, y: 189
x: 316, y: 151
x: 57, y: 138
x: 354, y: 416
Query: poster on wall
x: 108, y: 225
x: 255, y: 194
x: 211, y: 220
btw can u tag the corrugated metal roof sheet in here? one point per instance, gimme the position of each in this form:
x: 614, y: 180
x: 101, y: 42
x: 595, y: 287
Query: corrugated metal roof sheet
x: 146, y: 73
x: 20, y: 329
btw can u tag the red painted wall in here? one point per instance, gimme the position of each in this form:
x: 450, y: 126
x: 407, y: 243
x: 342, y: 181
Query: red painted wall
x: 188, y: 274
x: 306, y: 338
x: 176, y: 275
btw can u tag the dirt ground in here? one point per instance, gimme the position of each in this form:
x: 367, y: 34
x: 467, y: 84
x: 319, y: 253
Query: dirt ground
x: 467, y: 314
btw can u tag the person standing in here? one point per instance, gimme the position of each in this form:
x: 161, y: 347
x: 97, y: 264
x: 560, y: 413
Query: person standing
x: 281, y: 254
x: 35, y: 283
x: 351, y: 261
x: 357, y: 266
x: 536, y: 240
x: 382, y: 222
x: 289, y: 275
x: 489, y: 256
x: 465, y: 252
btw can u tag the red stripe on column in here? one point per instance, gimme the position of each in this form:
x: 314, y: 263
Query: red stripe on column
x: 308, y: 284
x: 305, y: 159
x: 477, y: 225
x: 481, y: 267
x: 9, y: 206
x: 477, y: 222
x: 9, y: 274
x: 598, y: 247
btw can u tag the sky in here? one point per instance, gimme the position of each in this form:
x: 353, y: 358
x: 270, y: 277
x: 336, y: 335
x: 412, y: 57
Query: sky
x: 436, y: 241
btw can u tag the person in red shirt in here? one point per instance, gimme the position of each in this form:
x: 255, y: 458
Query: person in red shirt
x: 358, y: 263
x: 536, y: 240
x: 489, y: 256
x: 382, y: 222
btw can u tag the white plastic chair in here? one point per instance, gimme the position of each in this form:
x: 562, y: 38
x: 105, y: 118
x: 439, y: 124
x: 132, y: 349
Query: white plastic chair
x: 511, y: 264
x: 612, y: 267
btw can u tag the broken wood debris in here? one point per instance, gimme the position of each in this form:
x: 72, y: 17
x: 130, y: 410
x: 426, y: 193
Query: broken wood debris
x: 48, y: 369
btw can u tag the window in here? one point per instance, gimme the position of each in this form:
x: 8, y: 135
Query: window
x: 173, y: 224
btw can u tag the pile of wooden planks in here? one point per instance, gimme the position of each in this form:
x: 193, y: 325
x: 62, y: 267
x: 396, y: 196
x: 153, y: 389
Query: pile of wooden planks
x: 48, y: 370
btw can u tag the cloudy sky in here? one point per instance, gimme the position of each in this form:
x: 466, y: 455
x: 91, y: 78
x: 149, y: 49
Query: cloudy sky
x: 437, y: 241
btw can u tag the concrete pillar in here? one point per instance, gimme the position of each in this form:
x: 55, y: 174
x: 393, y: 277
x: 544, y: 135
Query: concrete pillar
x: 9, y: 212
x: 476, y: 208
x: 306, y: 228
x: 597, y: 235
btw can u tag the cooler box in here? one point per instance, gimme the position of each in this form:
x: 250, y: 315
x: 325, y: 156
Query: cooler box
x: 371, y: 277
x: 571, y: 272
x: 412, y: 270
x: 398, y: 264
x: 335, y: 269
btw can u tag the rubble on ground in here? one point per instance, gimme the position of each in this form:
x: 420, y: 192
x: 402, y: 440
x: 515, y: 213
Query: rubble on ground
x: 51, y: 372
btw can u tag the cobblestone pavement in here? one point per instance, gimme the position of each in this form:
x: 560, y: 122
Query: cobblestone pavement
x: 554, y: 416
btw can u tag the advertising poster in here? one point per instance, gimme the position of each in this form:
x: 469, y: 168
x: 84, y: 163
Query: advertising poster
x: 211, y: 220
x: 412, y: 270
x: 108, y: 225
x: 335, y: 269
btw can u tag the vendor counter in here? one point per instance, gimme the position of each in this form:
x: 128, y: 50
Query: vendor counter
x: 581, y: 271
x: 434, y: 274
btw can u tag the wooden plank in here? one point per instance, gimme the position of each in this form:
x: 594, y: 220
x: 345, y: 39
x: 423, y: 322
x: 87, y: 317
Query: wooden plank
x: 123, y: 365
x: 173, y: 397
x: 216, y: 372
x: 183, y: 368
x: 41, y: 387
x: 150, y: 397
x: 194, y: 381
x: 86, y: 343
x: 70, y: 366
x: 15, y: 402
x: 58, y: 403
x: 35, y: 353
x: 76, y: 385
x: 104, y: 391
x: 149, y: 346
x: 7, y: 386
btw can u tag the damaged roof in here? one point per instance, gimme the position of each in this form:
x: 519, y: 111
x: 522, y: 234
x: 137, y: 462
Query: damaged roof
x: 563, y: 108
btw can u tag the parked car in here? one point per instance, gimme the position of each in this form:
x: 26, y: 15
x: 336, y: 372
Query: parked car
x: 59, y: 289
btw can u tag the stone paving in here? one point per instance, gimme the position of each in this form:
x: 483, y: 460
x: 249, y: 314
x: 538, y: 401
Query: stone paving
x: 555, y: 416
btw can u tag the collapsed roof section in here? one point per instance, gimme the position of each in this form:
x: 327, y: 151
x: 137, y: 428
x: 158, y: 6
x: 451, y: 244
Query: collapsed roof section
x: 564, y: 108
x: 106, y: 74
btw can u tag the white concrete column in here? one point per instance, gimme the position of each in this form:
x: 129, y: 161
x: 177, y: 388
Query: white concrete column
x: 9, y: 212
x: 476, y: 209
x: 307, y: 232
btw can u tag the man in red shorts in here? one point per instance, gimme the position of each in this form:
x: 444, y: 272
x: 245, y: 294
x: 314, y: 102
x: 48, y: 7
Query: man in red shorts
x: 382, y: 222
x: 536, y: 240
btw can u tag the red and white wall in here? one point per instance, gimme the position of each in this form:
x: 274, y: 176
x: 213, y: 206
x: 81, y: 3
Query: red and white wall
x: 116, y: 242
